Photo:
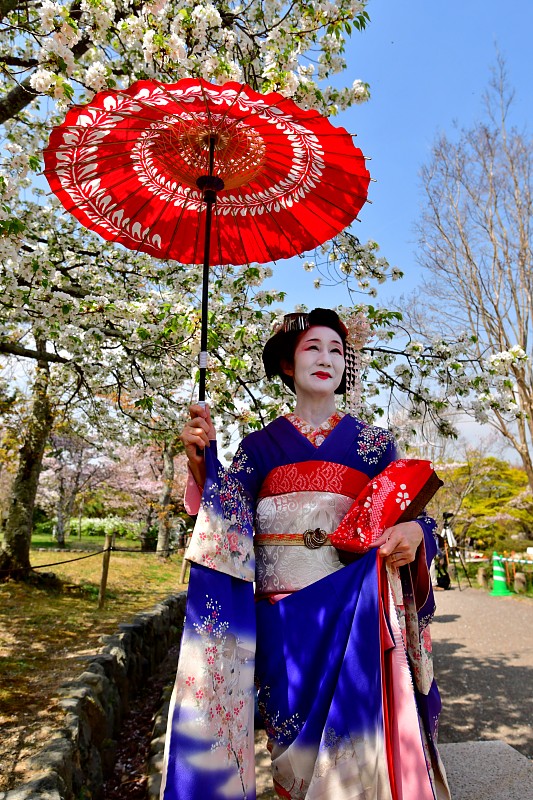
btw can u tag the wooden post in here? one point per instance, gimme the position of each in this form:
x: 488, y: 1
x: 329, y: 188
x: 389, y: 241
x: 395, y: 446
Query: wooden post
x: 108, y: 544
x: 184, y: 566
x: 482, y: 577
x: 520, y: 582
x: 185, y: 563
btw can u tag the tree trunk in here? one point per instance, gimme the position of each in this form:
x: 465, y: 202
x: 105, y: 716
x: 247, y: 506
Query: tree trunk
x: 60, y: 516
x: 60, y: 527
x: 527, y: 463
x: 65, y: 508
x: 147, y: 542
x: 163, y: 533
x: 15, y: 551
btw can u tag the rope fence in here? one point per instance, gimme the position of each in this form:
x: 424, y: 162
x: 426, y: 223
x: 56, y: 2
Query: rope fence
x: 69, y: 560
x: 165, y: 553
x: 510, y: 574
x: 108, y: 548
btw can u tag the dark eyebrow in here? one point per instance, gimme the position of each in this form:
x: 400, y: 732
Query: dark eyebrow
x: 331, y: 341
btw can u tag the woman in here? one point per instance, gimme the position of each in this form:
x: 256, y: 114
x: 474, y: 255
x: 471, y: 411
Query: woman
x: 335, y: 689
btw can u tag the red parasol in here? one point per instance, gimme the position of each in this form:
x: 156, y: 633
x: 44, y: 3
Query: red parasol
x: 206, y: 174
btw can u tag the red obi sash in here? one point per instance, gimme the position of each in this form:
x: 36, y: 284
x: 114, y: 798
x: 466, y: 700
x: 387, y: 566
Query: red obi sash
x: 314, y: 476
x: 398, y: 494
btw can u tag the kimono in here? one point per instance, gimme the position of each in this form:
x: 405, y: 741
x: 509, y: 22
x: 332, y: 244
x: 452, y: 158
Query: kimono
x: 340, y: 653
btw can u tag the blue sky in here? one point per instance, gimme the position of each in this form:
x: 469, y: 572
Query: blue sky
x: 428, y: 63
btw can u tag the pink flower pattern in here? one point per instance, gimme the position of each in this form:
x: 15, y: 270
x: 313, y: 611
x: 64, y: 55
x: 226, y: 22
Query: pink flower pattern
x: 222, y: 537
x: 217, y: 692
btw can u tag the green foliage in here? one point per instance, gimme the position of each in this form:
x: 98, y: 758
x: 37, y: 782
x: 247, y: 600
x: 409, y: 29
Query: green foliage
x: 491, y: 501
x: 40, y: 516
x: 44, y: 528
x: 94, y: 504
x: 91, y: 528
x: 498, y: 483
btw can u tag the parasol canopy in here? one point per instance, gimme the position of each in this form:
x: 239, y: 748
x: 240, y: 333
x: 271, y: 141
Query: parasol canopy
x: 205, y: 174
x: 129, y: 165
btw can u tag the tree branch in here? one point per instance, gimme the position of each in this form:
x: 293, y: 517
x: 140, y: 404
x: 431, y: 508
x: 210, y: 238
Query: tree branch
x: 12, y: 349
x: 14, y: 61
x: 18, y: 98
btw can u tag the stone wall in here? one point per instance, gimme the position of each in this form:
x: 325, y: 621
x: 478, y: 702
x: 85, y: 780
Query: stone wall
x: 81, y: 755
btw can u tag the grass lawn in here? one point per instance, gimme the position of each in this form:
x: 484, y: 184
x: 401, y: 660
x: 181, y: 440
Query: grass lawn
x: 45, y: 634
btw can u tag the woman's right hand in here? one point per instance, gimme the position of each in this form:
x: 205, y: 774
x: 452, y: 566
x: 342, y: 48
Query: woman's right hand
x: 197, y: 433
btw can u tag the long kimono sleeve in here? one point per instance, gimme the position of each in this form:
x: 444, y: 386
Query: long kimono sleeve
x: 413, y: 595
x: 415, y: 605
x: 209, y: 750
x: 223, y: 534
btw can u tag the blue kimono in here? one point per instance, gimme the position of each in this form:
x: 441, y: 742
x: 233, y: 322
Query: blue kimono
x: 339, y: 652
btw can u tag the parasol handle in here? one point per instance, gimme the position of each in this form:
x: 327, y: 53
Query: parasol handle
x: 209, y: 197
x: 209, y: 185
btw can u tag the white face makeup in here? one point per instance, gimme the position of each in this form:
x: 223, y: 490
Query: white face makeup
x: 318, y: 362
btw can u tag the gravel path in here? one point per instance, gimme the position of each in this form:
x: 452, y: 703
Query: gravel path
x: 483, y: 648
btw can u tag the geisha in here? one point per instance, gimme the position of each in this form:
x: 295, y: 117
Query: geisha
x: 339, y: 648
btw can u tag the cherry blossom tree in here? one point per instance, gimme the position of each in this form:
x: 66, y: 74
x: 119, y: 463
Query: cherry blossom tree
x: 144, y: 483
x: 71, y: 466
x: 114, y: 335
x: 67, y: 49
x: 102, y: 326
x: 148, y: 482
x: 476, y: 246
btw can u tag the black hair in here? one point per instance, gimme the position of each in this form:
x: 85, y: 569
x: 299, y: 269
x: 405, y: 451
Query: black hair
x: 282, y: 345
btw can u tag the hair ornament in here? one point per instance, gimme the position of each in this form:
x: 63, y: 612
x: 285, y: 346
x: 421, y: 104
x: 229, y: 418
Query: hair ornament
x: 359, y: 332
x: 296, y: 321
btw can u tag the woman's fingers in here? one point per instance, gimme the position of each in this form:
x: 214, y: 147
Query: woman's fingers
x: 387, y: 542
x: 399, y: 560
x: 194, y: 437
x: 382, y: 539
x: 399, y: 543
x: 201, y: 416
x: 196, y: 432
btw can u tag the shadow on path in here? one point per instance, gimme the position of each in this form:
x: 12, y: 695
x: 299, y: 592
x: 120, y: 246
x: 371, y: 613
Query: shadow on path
x: 484, y: 697
x: 446, y: 618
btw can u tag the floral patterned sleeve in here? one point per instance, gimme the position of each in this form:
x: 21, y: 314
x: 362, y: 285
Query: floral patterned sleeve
x: 376, y: 448
x: 244, y: 468
x: 222, y: 538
